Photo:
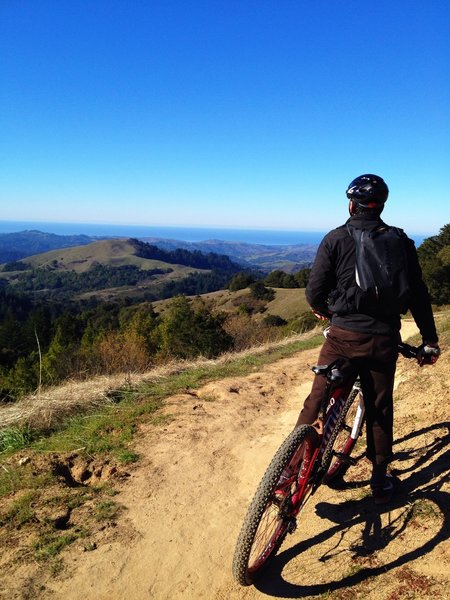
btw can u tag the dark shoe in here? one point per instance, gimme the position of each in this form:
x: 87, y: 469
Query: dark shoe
x: 383, y: 492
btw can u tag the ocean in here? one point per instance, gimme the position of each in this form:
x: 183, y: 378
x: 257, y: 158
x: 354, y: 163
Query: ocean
x: 272, y: 237
x: 186, y: 234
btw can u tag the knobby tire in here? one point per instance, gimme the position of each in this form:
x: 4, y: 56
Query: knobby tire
x: 265, y: 526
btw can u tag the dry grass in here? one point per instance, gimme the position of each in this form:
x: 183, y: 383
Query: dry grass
x: 288, y: 303
x: 42, y: 410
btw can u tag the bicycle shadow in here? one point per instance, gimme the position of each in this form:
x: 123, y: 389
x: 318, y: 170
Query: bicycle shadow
x: 422, y: 484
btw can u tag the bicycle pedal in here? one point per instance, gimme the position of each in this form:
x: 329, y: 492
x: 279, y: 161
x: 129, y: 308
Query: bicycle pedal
x: 348, y: 460
x: 292, y: 526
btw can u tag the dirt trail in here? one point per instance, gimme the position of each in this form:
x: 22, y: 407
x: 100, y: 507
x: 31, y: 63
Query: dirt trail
x: 186, y: 500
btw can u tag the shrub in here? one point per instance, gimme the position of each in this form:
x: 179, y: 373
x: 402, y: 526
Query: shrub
x: 122, y: 352
x: 274, y: 321
x: 261, y: 292
x: 305, y: 322
x: 246, y: 332
x: 185, y: 332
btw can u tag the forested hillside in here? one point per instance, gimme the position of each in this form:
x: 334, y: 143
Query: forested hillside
x: 50, y: 331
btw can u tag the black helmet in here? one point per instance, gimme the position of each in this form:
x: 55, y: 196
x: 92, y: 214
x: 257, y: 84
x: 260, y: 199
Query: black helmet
x: 368, y: 191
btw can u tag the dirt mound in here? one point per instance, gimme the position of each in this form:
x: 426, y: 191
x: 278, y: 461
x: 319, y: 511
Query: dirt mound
x: 185, y: 501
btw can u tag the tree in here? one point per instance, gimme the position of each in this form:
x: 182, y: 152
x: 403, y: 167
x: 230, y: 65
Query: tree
x: 22, y: 379
x: 434, y: 257
x: 302, y: 277
x: 185, y: 332
x: 143, y: 322
x: 261, y: 292
x: 275, y: 278
x: 122, y: 352
x: 240, y: 281
x: 62, y: 357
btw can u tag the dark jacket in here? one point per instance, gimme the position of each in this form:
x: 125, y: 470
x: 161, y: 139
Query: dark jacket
x: 333, y: 273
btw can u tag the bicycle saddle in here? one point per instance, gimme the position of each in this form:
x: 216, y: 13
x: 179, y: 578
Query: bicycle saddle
x: 332, y: 372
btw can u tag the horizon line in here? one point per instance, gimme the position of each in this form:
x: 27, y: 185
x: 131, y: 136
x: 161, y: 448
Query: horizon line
x: 201, y: 227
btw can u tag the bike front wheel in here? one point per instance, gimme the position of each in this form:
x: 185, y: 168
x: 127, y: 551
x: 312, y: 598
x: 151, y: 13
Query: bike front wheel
x: 271, y: 513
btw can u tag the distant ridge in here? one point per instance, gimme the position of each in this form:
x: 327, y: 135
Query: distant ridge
x: 289, y: 258
x: 266, y: 257
x: 14, y: 246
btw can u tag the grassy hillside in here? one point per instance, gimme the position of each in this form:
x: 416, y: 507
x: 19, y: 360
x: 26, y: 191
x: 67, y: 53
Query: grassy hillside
x: 114, y: 253
x: 288, y: 303
x: 84, y: 262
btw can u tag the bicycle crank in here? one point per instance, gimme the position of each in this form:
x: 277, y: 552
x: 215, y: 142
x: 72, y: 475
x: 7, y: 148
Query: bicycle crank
x: 348, y: 460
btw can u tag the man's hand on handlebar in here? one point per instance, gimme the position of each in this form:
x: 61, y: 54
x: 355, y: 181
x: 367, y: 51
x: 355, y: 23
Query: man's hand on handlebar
x: 428, y: 353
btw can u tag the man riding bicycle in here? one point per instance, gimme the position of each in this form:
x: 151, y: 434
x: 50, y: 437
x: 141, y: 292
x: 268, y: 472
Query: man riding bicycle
x: 366, y: 337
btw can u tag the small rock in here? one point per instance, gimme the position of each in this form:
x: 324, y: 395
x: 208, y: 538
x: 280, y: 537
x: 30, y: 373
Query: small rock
x: 24, y: 461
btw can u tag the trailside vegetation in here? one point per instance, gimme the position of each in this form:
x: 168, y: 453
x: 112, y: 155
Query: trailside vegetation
x: 44, y: 343
x: 110, y: 338
x: 434, y: 257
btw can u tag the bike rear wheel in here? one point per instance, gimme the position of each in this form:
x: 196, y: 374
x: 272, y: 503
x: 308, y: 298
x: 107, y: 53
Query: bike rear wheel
x: 268, y: 518
x: 341, y: 444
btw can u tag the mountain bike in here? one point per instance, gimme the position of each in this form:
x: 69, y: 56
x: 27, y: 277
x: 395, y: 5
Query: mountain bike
x: 309, y: 456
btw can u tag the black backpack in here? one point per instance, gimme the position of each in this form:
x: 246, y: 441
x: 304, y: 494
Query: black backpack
x: 382, y: 284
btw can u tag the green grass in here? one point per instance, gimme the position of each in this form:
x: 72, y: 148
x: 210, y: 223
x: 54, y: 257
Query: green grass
x: 110, y: 430
x: 14, y: 478
x: 49, y: 544
x: 288, y: 303
x: 14, y: 438
x: 21, y: 510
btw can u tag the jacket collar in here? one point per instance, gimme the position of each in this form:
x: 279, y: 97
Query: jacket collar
x: 365, y: 222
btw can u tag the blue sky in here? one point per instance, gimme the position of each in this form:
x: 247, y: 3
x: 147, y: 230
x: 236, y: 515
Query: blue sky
x: 233, y: 114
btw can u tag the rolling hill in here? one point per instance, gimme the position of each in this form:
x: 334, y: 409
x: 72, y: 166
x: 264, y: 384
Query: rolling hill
x: 114, y: 253
x: 118, y: 267
x: 265, y: 257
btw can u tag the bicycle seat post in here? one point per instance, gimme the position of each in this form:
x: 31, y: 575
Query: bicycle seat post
x: 334, y: 377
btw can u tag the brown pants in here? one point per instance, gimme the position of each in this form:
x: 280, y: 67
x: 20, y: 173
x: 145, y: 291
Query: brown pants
x: 374, y: 357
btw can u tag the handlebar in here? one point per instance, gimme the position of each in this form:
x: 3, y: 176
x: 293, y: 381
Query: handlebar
x: 408, y: 351
x: 425, y: 355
